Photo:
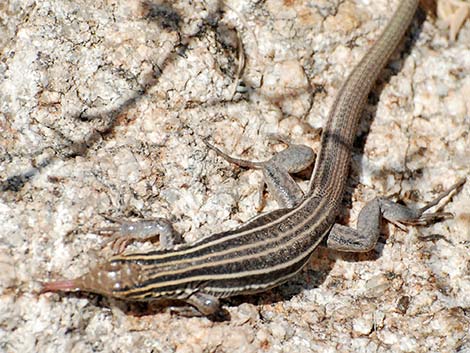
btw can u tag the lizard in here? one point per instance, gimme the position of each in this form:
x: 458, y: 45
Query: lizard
x: 273, y: 247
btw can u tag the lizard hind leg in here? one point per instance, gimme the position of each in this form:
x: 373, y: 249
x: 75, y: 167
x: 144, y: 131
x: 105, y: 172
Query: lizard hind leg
x: 363, y: 239
x: 277, y: 170
x: 399, y: 214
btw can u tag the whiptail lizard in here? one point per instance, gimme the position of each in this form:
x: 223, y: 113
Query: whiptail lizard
x: 273, y: 247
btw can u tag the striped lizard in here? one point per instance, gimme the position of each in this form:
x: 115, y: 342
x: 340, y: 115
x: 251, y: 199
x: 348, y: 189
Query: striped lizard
x: 273, y: 247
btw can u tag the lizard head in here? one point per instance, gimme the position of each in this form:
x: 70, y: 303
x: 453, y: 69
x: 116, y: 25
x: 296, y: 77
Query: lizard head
x: 108, y: 279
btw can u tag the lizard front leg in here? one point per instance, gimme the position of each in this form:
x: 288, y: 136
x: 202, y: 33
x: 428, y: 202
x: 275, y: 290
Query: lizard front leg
x: 142, y: 230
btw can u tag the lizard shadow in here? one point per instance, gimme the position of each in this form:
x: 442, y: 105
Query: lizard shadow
x: 101, y: 123
x: 168, y: 19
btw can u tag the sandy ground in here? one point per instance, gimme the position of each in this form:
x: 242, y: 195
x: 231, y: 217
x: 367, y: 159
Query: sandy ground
x: 103, y: 109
